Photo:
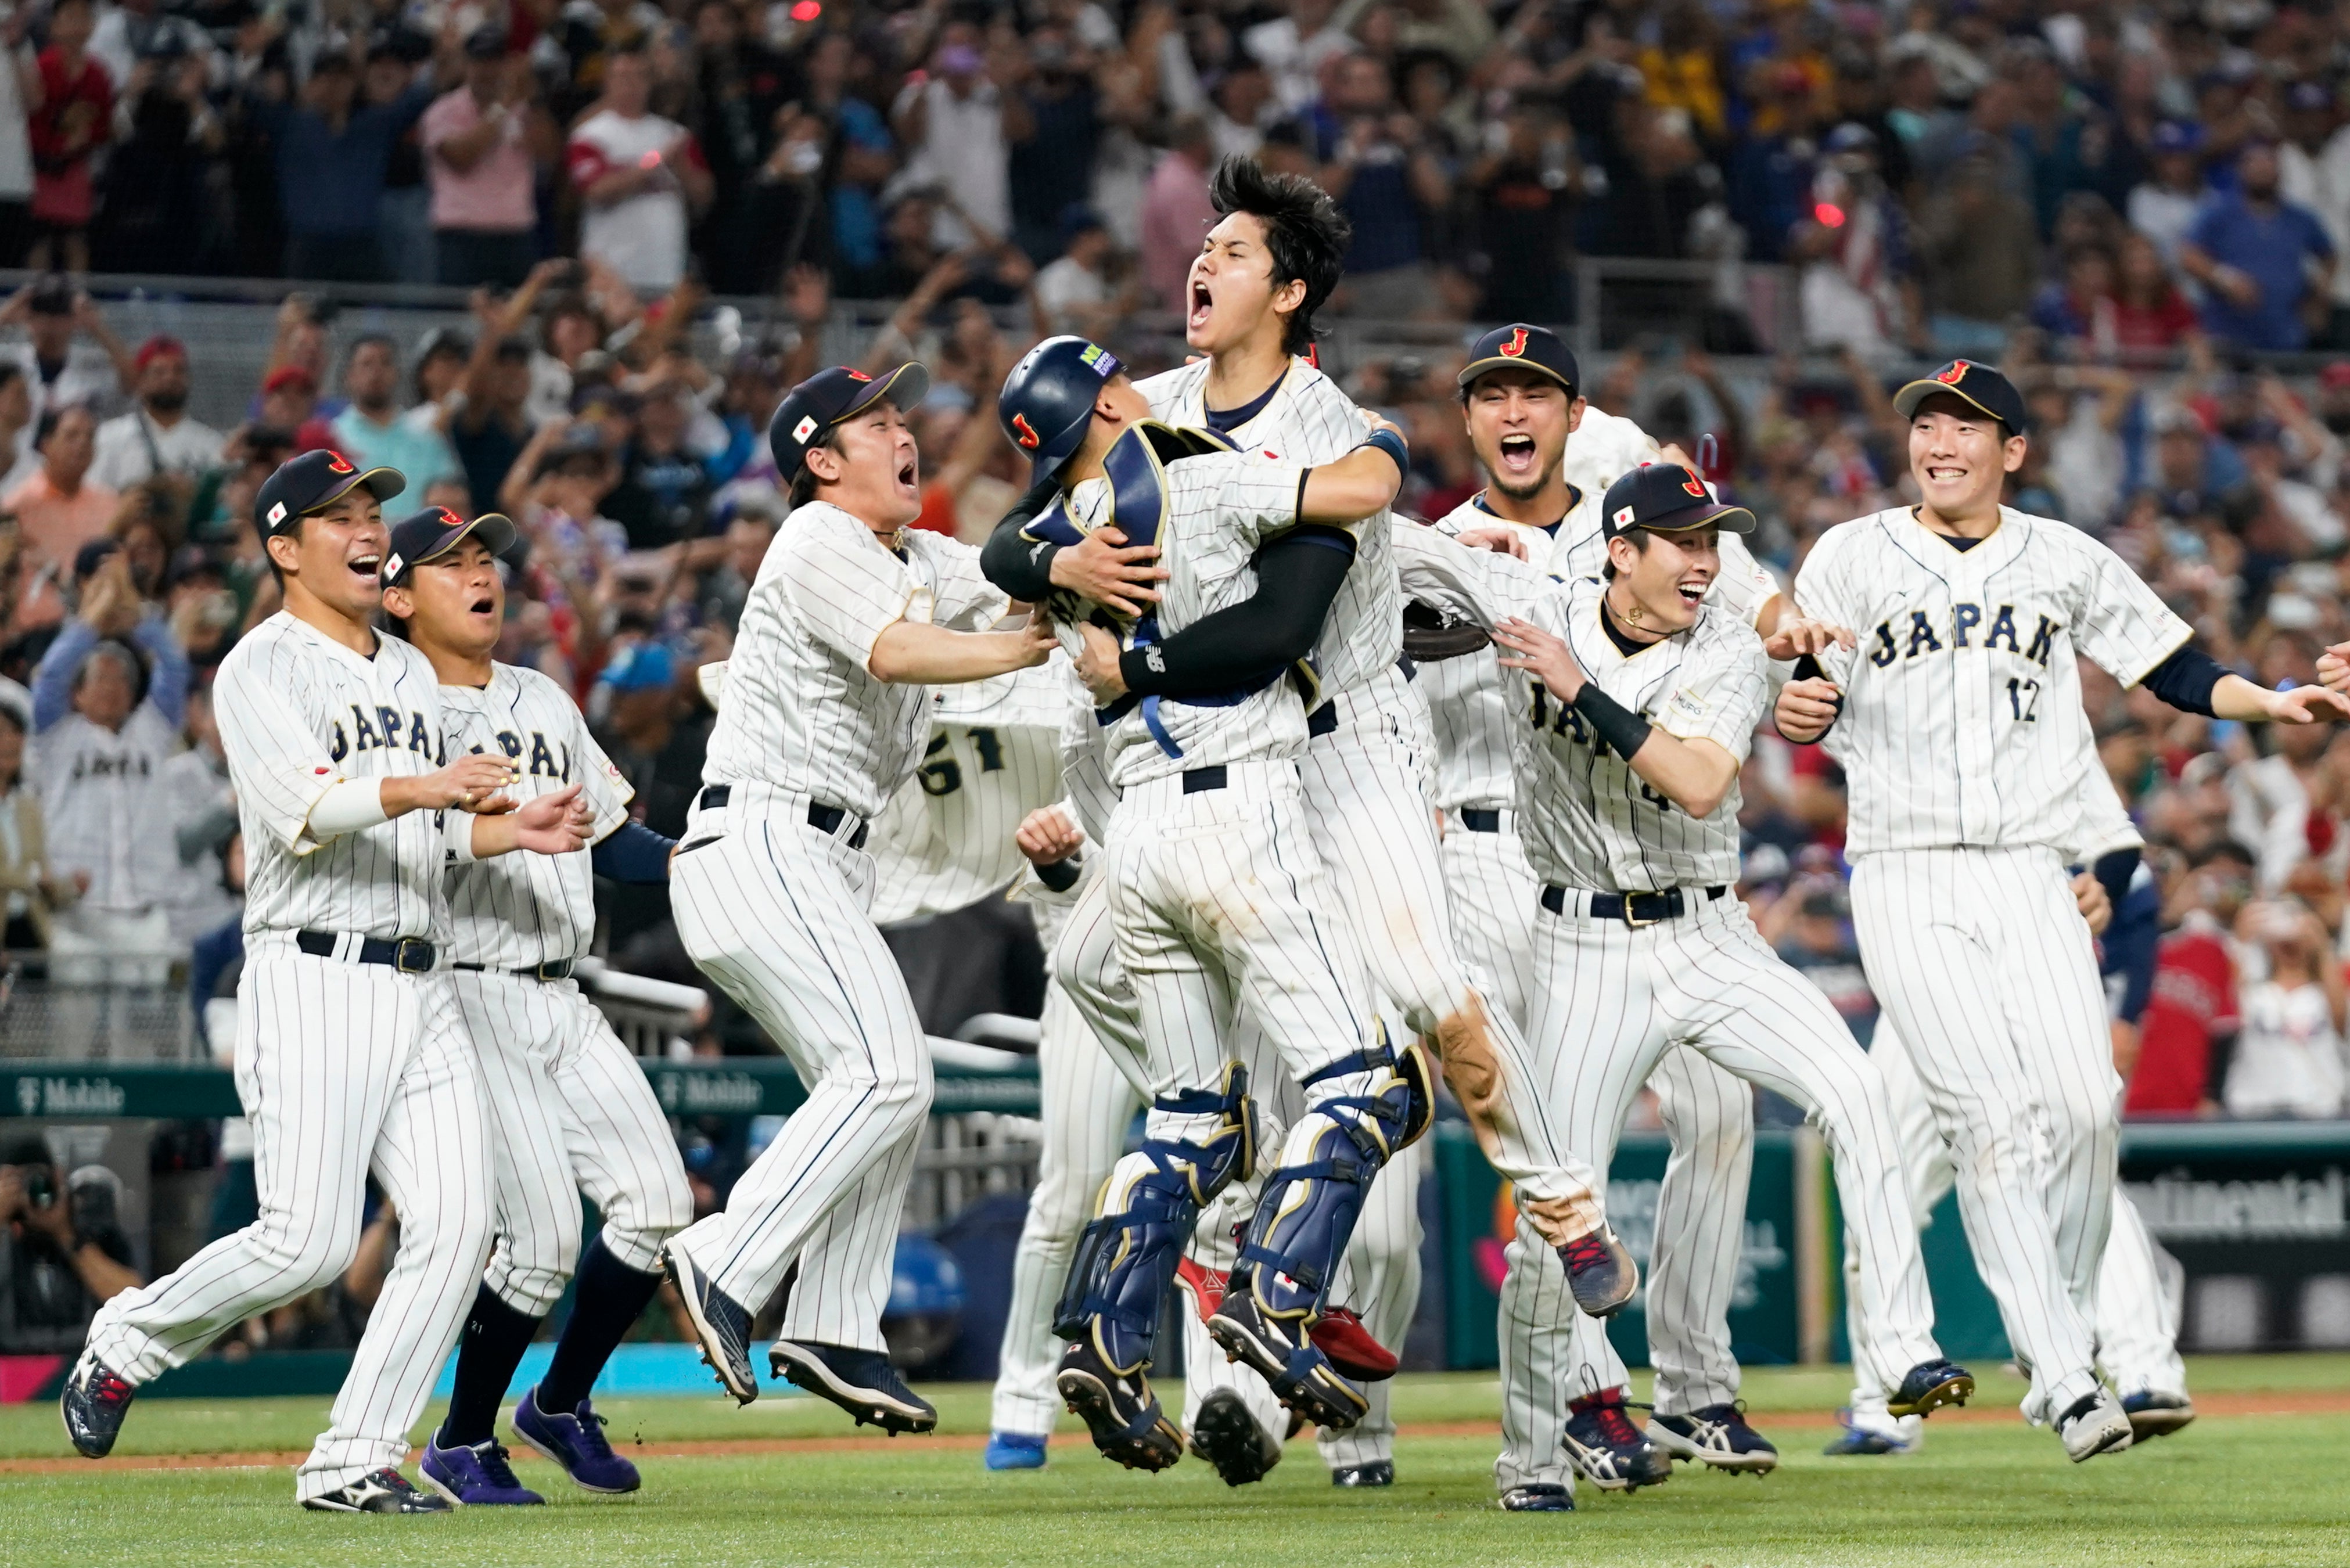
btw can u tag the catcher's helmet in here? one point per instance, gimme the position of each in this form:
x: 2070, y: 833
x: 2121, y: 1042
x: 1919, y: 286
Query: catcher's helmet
x: 1047, y: 402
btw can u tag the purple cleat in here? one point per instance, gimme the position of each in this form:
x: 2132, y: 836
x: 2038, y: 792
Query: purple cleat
x: 475, y: 1477
x: 575, y: 1441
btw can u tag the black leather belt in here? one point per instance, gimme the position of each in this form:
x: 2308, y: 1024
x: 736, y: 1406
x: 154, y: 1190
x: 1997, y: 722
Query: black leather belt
x: 1197, y: 781
x: 1633, y: 908
x: 1479, y: 819
x: 554, y: 968
x: 408, y: 955
x: 1323, y: 721
x: 826, y: 819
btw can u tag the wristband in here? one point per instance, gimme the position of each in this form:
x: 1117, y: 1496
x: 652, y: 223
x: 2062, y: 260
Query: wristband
x: 1616, y: 726
x: 1061, y: 875
x: 457, y: 835
x: 1390, y: 443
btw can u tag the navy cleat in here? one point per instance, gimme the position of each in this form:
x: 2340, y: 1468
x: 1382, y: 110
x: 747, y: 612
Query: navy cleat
x: 862, y: 1381
x: 384, y: 1491
x: 576, y: 1442
x: 1283, y: 1351
x: 1118, y: 1407
x: 1014, y: 1451
x: 1930, y: 1385
x: 1858, y: 1441
x: 1224, y: 1434
x: 1608, y: 1450
x: 1538, y: 1498
x: 95, y: 1400
x: 2153, y: 1413
x: 1600, y: 1273
x: 475, y: 1477
x: 720, y: 1324
x: 1717, y: 1435
x: 1378, y: 1472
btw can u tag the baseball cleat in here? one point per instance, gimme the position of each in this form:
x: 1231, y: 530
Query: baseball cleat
x: 720, y: 1324
x: 1858, y: 1439
x: 385, y: 1492
x: 1930, y: 1385
x: 1224, y: 1434
x: 1539, y: 1498
x: 2153, y: 1413
x: 1284, y: 1353
x: 93, y: 1402
x: 575, y: 1441
x: 1119, y: 1408
x: 1350, y: 1347
x: 1600, y: 1273
x: 475, y: 1477
x: 1608, y: 1450
x: 862, y: 1381
x: 1716, y: 1435
x: 1378, y: 1472
x: 2096, y: 1424
x: 1013, y: 1452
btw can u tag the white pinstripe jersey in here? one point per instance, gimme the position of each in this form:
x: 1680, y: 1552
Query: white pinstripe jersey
x: 522, y: 908
x: 1962, y: 720
x: 1215, y: 511
x: 1310, y: 420
x: 945, y: 838
x: 799, y: 710
x: 1474, y: 718
x: 299, y: 713
x: 101, y: 792
x: 1084, y: 765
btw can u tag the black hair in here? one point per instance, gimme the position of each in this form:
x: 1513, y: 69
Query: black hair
x: 1306, y: 235
x: 1639, y: 537
x: 804, y: 482
x: 10, y: 371
x: 390, y: 346
x: 52, y: 418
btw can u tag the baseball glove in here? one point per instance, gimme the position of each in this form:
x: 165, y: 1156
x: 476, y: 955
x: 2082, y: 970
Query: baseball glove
x: 1427, y: 636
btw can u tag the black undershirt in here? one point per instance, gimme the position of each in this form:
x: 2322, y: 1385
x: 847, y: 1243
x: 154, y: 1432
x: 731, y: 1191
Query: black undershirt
x: 1625, y: 642
x: 1224, y: 421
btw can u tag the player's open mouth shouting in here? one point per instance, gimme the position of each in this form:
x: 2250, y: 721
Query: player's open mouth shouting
x: 1519, y: 459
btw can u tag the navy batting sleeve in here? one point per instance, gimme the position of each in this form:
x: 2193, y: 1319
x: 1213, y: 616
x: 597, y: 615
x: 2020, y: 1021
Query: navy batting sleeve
x: 632, y: 853
x: 1298, y: 575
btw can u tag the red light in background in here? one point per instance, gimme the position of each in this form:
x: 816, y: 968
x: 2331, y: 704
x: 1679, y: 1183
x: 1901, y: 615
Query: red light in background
x: 1828, y: 213
x: 807, y: 10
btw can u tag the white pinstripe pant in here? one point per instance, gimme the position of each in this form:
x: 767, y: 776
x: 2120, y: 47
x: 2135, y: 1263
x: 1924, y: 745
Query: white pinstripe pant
x: 343, y: 1068
x: 1709, y: 1114
x: 1609, y: 999
x: 1981, y: 959
x: 570, y: 1112
x: 774, y: 912
x: 2136, y: 1322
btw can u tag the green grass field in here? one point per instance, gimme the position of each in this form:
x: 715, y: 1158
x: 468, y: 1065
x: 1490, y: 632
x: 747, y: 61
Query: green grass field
x: 2257, y: 1480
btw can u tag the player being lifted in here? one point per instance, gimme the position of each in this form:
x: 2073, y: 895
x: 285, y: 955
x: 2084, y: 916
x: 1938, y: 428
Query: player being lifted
x: 824, y: 711
x: 351, y: 1056
x: 1643, y: 703
x: 570, y: 1110
x: 1218, y: 903
x: 1958, y: 722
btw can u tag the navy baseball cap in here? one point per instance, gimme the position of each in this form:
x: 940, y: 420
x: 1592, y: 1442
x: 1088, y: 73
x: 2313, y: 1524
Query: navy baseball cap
x: 1523, y: 345
x: 428, y: 534
x: 1666, y: 498
x: 1970, y: 382
x: 2178, y: 136
x: 314, y: 482
x: 1047, y: 403
x: 810, y: 411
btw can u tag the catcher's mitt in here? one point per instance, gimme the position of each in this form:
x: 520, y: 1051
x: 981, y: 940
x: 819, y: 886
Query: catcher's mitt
x: 1428, y: 637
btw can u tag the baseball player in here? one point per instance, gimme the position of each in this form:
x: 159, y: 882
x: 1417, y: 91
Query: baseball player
x: 570, y: 1110
x: 1215, y: 900
x: 823, y: 716
x: 350, y: 1054
x: 1549, y: 459
x: 1646, y: 705
x: 2135, y: 1322
x: 1958, y: 724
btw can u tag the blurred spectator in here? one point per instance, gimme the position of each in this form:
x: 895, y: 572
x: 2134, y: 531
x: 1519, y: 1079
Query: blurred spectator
x: 957, y: 125
x: 2265, y: 265
x: 484, y: 420
x: 204, y: 823
x: 1054, y: 140
x: 156, y: 213
x: 69, y: 127
x: 1980, y: 256
x: 1176, y: 217
x: 1859, y: 283
x: 1073, y: 293
x: 1382, y: 167
x: 2289, y: 1058
x: 476, y: 143
x: 63, y: 1254
x: 370, y: 431
x: 639, y: 177
x: 157, y: 437
x: 1519, y: 202
x: 2151, y: 315
x: 70, y: 354
x: 20, y: 83
x: 60, y: 509
x: 130, y: 31
x: 638, y: 729
x: 31, y: 890
x: 1814, y: 936
x: 2165, y: 207
x: 2314, y: 172
x: 663, y: 496
x: 333, y: 151
x: 2191, y: 1016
